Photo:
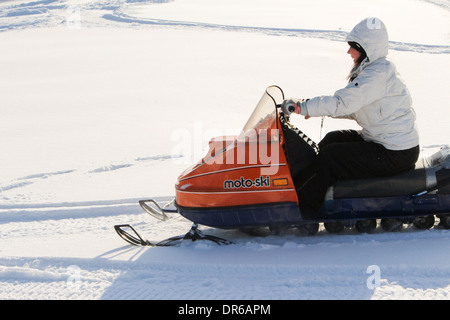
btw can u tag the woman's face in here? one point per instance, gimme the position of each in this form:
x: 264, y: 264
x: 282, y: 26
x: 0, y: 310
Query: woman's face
x: 355, y: 54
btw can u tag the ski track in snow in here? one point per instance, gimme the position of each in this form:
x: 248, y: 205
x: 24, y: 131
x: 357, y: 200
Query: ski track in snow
x: 445, y: 4
x: 30, y: 179
x: 47, y: 13
x: 187, y: 272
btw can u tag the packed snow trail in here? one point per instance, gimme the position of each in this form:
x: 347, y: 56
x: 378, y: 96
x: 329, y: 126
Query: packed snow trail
x: 267, y: 268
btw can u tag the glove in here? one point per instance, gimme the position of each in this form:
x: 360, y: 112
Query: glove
x: 291, y: 105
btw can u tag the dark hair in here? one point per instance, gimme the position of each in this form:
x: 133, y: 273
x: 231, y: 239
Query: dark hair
x: 361, y: 58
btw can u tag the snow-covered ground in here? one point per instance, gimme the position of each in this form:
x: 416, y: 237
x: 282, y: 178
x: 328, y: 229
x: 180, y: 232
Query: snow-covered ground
x: 95, y: 96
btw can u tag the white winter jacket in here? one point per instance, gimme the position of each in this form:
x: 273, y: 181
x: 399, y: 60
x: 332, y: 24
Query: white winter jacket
x: 377, y: 98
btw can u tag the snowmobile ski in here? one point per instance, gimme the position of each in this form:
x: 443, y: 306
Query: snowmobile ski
x: 193, y: 234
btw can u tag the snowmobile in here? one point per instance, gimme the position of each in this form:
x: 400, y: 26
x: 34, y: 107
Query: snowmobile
x: 245, y: 182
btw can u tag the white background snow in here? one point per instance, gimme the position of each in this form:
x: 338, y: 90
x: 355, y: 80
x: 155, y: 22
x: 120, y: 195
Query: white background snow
x: 105, y: 102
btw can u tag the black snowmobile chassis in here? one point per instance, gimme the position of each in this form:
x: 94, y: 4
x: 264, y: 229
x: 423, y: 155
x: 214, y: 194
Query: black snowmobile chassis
x: 130, y: 235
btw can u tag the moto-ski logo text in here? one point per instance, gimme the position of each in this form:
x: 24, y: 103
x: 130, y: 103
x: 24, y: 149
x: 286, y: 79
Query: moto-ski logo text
x: 247, y: 183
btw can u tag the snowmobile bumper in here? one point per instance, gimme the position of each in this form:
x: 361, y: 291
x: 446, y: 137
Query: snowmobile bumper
x: 155, y: 210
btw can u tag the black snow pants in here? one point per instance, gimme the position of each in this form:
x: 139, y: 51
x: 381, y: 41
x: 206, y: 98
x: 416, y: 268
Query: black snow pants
x: 345, y: 155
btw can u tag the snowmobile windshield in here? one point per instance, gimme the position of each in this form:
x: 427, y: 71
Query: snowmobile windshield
x: 262, y: 124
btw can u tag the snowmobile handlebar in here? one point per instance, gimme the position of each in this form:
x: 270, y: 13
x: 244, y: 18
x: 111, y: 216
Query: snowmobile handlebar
x: 291, y: 109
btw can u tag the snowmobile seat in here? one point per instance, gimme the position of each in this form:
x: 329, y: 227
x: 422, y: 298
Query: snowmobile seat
x: 403, y: 184
x: 428, y: 172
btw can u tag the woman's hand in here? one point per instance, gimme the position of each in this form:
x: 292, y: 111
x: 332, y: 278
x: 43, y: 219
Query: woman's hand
x: 291, y: 106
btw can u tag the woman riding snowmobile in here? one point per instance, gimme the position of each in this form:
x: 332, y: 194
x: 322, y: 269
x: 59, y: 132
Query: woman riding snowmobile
x: 379, y: 101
